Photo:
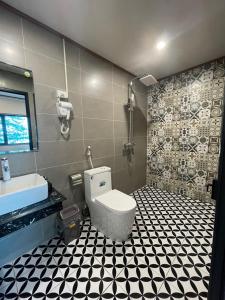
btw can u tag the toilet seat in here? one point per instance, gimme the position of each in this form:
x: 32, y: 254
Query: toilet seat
x: 116, y: 201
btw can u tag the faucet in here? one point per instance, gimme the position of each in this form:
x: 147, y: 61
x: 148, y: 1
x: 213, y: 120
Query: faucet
x: 5, y: 169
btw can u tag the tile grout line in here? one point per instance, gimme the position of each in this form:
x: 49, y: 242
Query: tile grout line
x: 25, y: 62
x: 82, y: 100
x: 23, y: 41
x: 44, y: 55
x: 114, y: 140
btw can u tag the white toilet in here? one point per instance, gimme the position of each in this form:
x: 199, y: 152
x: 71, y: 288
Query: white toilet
x: 112, y: 212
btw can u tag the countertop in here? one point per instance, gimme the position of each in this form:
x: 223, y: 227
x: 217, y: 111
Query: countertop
x: 26, y: 216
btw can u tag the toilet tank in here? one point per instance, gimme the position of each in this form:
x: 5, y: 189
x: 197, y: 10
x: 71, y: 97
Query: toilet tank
x: 97, y: 182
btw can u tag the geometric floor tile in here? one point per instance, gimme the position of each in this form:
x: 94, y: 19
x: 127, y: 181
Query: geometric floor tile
x: 166, y: 257
x: 181, y: 289
x: 7, y: 275
x: 9, y: 291
x: 140, y: 280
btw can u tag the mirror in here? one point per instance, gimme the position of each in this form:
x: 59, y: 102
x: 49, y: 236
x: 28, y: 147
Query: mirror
x: 18, y: 127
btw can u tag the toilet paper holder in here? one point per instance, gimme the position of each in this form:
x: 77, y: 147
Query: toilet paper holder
x: 76, y: 179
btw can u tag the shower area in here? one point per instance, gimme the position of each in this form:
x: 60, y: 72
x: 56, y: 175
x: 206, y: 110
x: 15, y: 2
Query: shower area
x: 147, y: 80
x: 184, y: 131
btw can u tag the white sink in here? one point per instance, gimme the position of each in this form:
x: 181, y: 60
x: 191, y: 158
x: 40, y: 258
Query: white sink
x: 22, y: 191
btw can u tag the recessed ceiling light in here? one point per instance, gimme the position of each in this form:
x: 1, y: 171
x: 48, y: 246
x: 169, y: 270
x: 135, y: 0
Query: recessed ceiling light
x: 160, y: 45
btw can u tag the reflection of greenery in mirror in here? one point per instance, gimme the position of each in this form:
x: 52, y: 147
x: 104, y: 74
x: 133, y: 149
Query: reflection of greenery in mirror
x: 2, y: 140
x: 18, y: 129
x: 14, y: 129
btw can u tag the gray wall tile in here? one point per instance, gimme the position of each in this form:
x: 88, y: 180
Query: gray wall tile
x: 140, y: 150
x: 46, y: 70
x: 120, y: 162
x: 72, y: 55
x: 42, y: 41
x: 122, y: 180
x: 139, y: 179
x: 76, y: 130
x: 120, y: 94
x: 95, y: 129
x: 140, y: 124
x: 45, y: 99
x: 58, y: 175
x: 60, y: 152
x: 12, y: 53
x: 100, y: 147
x: 95, y: 66
x: 121, y: 77
x: 10, y: 26
x: 74, y: 78
x: 94, y: 108
x: 121, y: 112
x: 48, y: 127
x: 96, y: 87
x: 76, y: 100
x: 120, y: 129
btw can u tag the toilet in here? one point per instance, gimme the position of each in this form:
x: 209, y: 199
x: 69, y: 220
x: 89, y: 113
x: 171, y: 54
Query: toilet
x: 112, y: 212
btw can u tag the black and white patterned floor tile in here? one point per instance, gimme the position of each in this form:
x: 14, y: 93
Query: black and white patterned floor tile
x: 166, y: 257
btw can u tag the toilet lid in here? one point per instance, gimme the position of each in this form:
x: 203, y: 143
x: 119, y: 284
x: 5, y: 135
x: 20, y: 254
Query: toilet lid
x: 116, y: 200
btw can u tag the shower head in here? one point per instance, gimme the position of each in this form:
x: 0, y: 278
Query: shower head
x: 148, y: 79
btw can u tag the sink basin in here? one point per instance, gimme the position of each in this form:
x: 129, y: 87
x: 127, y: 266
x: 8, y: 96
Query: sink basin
x: 22, y: 191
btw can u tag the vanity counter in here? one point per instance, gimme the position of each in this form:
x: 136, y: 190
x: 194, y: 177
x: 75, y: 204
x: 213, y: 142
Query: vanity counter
x: 28, y: 215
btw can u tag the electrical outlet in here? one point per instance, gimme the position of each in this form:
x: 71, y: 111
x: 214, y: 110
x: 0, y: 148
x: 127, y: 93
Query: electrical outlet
x: 61, y: 94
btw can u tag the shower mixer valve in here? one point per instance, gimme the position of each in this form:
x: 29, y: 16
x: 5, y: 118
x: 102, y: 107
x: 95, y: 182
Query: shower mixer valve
x: 129, y: 149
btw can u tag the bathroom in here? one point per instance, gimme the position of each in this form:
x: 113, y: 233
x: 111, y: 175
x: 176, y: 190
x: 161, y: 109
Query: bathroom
x: 131, y: 93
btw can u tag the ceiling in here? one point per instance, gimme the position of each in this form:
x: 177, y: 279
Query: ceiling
x: 126, y: 32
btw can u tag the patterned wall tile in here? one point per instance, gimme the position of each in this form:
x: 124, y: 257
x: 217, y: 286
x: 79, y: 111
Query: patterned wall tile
x: 184, y: 123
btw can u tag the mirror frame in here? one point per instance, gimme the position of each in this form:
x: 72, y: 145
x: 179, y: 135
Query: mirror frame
x: 30, y: 111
